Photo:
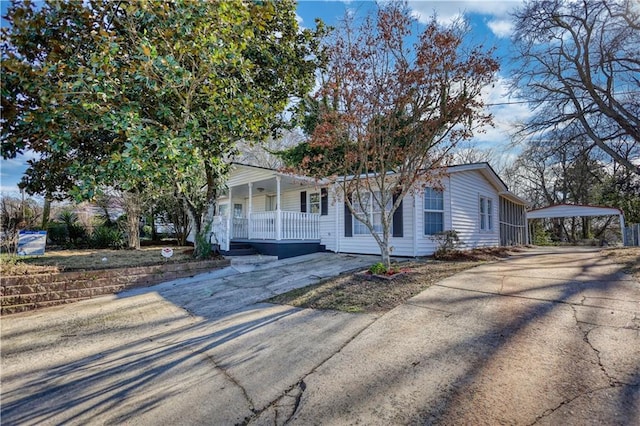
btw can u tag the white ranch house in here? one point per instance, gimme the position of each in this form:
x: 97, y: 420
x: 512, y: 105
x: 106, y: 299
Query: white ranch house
x: 278, y: 214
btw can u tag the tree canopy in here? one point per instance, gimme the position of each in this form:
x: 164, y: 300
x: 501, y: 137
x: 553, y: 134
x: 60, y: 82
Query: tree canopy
x: 579, y: 65
x: 392, y: 105
x: 136, y: 94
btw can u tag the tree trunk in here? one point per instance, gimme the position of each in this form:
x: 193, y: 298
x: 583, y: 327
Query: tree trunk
x: 133, y: 210
x: 203, y: 235
x: 154, y: 234
x: 194, y: 219
x: 46, y: 212
x: 386, y: 255
x: 586, y: 225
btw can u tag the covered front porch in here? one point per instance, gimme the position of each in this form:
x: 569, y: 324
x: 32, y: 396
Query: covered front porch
x: 269, y: 211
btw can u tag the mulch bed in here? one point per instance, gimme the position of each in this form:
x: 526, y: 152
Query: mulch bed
x: 361, y: 292
x: 357, y: 292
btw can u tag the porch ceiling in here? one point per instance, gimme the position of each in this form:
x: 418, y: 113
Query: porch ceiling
x: 269, y: 186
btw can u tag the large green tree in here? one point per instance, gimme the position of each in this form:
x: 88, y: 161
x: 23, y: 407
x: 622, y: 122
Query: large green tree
x: 152, y: 93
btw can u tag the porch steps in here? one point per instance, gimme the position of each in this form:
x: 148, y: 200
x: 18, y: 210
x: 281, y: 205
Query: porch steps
x: 240, y: 249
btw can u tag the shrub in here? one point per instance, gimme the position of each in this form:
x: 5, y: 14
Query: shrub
x: 77, y: 235
x: 203, y: 245
x: 107, y: 237
x: 378, y: 269
x: 447, y: 241
x: 72, y: 234
x: 146, y: 231
x: 57, y: 233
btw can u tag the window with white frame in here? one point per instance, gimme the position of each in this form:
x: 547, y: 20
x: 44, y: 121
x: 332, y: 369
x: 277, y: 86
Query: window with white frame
x: 314, y: 202
x: 433, y: 211
x: 486, y: 214
x: 370, y: 207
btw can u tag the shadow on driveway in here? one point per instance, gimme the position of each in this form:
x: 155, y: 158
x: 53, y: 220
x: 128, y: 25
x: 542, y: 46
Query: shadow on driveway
x: 540, y: 338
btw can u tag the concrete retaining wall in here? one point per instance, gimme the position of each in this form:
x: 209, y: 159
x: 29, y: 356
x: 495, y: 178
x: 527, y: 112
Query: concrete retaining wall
x: 26, y: 292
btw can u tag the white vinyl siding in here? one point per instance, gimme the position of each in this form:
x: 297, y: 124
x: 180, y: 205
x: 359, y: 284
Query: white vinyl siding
x: 328, y: 236
x: 366, y: 244
x: 466, y: 189
x: 241, y: 175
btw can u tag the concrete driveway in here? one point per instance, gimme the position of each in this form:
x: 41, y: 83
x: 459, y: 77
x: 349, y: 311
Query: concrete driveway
x: 546, y: 337
x: 192, y: 351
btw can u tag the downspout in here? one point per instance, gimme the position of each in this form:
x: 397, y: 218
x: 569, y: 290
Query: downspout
x: 415, y: 224
x: 337, y: 221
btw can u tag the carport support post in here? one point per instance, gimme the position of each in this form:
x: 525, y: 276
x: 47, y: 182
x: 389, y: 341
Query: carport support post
x: 624, y: 242
x: 249, y: 210
x: 278, y: 211
x: 526, y: 226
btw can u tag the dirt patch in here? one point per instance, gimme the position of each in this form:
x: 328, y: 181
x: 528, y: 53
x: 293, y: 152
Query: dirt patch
x: 88, y: 260
x: 627, y: 256
x: 356, y: 293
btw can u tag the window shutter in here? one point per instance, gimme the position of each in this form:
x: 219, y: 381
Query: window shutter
x: 324, y: 202
x: 303, y: 201
x: 398, y: 221
x: 348, y: 222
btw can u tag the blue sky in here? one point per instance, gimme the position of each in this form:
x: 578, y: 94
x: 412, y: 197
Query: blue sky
x: 490, y: 25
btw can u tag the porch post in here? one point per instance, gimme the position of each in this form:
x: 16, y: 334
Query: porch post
x: 249, y: 210
x: 623, y: 229
x: 278, y: 211
x: 229, y: 217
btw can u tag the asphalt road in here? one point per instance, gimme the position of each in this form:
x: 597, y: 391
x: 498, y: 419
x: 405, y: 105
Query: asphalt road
x: 546, y: 337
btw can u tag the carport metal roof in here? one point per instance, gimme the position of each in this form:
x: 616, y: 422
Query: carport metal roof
x: 574, y: 210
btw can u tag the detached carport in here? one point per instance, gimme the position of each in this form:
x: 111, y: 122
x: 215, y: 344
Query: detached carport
x: 571, y: 210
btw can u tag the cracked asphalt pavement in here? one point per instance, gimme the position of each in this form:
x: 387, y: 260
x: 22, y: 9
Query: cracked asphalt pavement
x: 549, y: 336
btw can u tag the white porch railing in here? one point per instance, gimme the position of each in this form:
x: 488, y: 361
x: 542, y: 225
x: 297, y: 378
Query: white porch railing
x: 240, y: 228
x: 263, y: 226
x: 300, y: 226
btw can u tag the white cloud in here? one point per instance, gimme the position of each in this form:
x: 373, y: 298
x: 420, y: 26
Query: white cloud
x: 10, y: 191
x: 450, y: 11
x: 501, y: 27
x: 508, y: 110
